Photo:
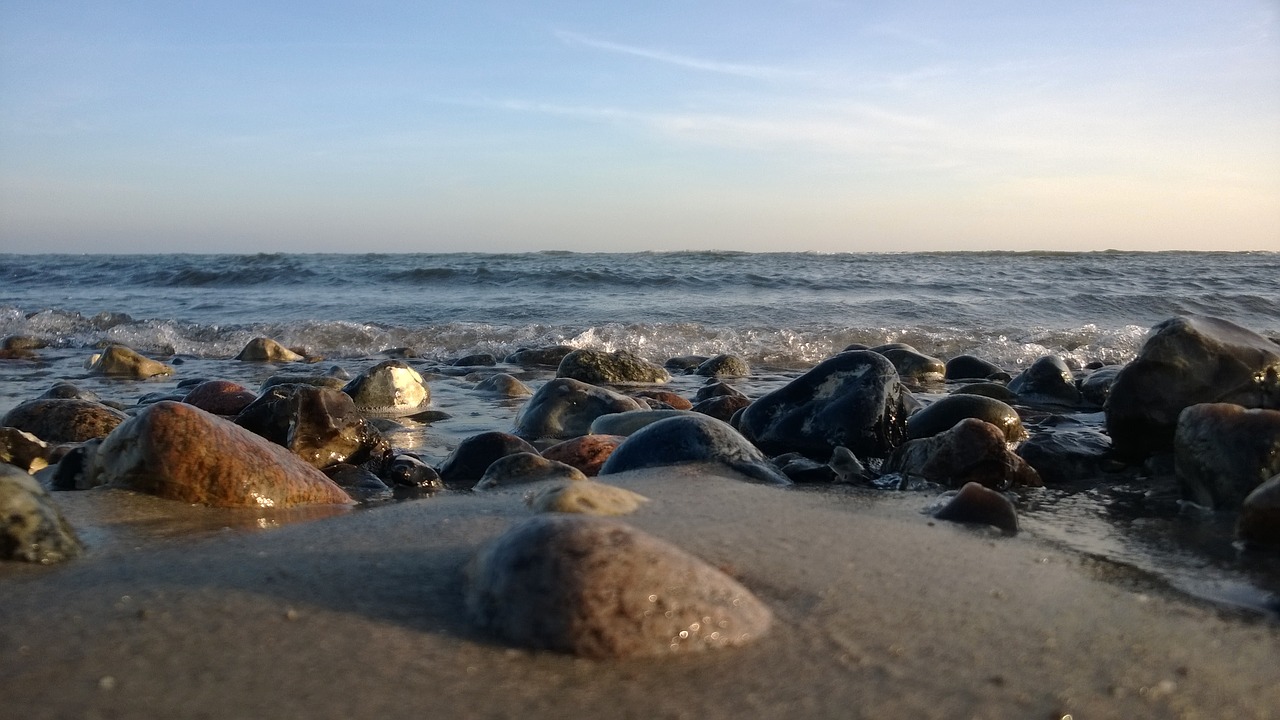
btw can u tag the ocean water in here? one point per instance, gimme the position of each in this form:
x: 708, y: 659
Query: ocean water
x: 783, y: 312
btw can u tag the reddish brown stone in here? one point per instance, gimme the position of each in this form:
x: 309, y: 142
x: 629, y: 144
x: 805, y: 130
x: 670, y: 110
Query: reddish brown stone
x: 64, y: 420
x: 220, y: 397
x: 180, y: 452
x: 587, y: 453
x: 676, y: 401
x: 972, y: 451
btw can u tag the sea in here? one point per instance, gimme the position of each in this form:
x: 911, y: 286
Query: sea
x: 782, y: 312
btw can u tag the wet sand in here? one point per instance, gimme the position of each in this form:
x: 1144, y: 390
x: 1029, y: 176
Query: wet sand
x: 881, y: 613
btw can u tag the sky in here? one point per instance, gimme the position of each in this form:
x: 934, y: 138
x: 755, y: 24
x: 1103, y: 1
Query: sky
x: 813, y: 125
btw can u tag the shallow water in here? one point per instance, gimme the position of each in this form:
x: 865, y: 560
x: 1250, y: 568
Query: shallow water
x: 782, y: 312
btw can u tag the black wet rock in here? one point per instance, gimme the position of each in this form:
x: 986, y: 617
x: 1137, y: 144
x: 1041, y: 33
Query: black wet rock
x: 476, y: 360
x: 684, y: 363
x: 599, y: 367
x: 1064, y: 454
x: 564, y: 408
x: 692, y: 438
x: 411, y: 471
x: 64, y: 420
x: 599, y: 588
x: 969, y: 367
x: 716, y: 388
x: 539, y: 356
x: 914, y: 365
x: 1096, y: 386
x: 1223, y: 451
x: 1259, y: 522
x: 722, y: 407
x: 31, y: 527
x: 1048, y: 381
x: 943, y: 414
x: 318, y: 424
x: 358, y: 482
x: 468, y: 462
x: 980, y: 505
x: 68, y: 391
x: 853, y: 399
x: 993, y: 390
x: 1186, y: 361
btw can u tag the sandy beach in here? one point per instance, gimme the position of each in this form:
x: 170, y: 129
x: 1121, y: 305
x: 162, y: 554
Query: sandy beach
x: 186, y: 612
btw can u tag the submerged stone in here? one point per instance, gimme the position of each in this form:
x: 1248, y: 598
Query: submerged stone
x: 598, y: 588
x: 503, y: 385
x: 724, y: 365
x: 1048, y: 380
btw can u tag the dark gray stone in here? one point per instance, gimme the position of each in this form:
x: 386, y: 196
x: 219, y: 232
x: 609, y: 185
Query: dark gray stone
x: 692, y: 438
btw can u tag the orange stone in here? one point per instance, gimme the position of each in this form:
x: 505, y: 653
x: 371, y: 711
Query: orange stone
x: 587, y: 453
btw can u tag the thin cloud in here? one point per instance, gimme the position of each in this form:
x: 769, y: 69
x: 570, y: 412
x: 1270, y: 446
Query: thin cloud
x: 758, y: 72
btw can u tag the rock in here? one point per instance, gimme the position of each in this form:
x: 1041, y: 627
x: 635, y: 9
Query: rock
x: 914, y: 365
x: 59, y: 421
x: 943, y: 414
x: 410, y: 471
x: 1222, y: 452
x: 261, y: 349
x: 1048, y: 380
x: 1259, y: 521
x: 723, y: 366
x: 503, y: 385
x: 993, y: 390
x: 981, y: 505
x: 803, y: 470
x: 523, y: 468
x: 968, y: 367
x: 692, y: 438
x: 1061, y: 455
x: 23, y: 450
x: 360, y: 483
x: 586, y: 497
x: 565, y: 408
x: 685, y: 363
x: 717, y: 389
x: 31, y: 528
x: 389, y: 389
x: 539, y: 356
x: 22, y: 342
x: 179, y: 452
x: 120, y: 361
x: 848, y: 468
x: 1187, y: 361
x: 67, y: 391
x: 626, y: 423
x: 1096, y: 387
x: 328, y: 380
x: 476, y: 360
x: 318, y: 424
x: 587, y: 453
x: 598, y: 367
x: 882, y: 349
x: 220, y: 397
x: 598, y: 588
x: 723, y: 407
x: 972, y: 451
x: 853, y: 399
x: 670, y: 399
x: 467, y: 463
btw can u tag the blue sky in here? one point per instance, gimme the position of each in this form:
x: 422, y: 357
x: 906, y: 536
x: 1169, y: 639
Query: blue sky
x: 790, y: 125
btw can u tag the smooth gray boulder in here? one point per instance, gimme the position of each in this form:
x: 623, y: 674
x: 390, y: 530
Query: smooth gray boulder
x: 692, y: 438
x: 565, y: 408
x: 1223, y: 451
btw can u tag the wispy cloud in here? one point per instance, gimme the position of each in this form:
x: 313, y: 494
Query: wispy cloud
x: 758, y: 72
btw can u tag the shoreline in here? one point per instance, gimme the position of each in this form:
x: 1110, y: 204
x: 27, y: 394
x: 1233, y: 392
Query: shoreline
x: 880, y: 612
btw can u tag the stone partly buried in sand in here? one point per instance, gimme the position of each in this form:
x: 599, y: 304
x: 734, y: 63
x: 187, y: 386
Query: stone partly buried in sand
x: 599, y: 588
x: 980, y: 505
x: 180, y: 452
x: 120, y: 361
x: 64, y: 420
x: 972, y: 451
x: 523, y: 468
x: 31, y: 528
x: 587, y: 497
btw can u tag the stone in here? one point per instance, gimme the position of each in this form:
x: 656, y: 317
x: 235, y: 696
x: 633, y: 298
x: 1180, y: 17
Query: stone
x: 968, y: 367
x: 1223, y: 451
x: 220, y: 397
x: 626, y: 423
x: 587, y: 453
x: 597, y: 588
x: 525, y: 467
x: 587, y: 497
x: 22, y: 342
x: 1186, y: 361
x: 467, y: 463
x: 389, y: 389
x: 692, y: 438
x: 717, y: 388
x: 943, y: 414
x: 327, y: 380
x: 476, y: 360
x: 723, y: 366
x: 564, y: 408
x: 410, y: 471
x: 853, y: 399
x: 318, y: 424
x: 1096, y: 386
x: 1061, y: 455
x: 1049, y: 381
x: 120, y: 361
x: 685, y: 363
x: 31, y: 527
x: 358, y: 482
x: 723, y: 407
x: 669, y: 399
x: 180, y: 452
x: 503, y: 385
x: 993, y: 390
x: 975, y: 503
x: 598, y: 367
x: 261, y: 349
x: 1259, y: 522
x: 549, y: 356
x: 67, y: 391
x: 59, y: 421
x: 972, y: 451
x: 914, y: 365
x: 23, y: 450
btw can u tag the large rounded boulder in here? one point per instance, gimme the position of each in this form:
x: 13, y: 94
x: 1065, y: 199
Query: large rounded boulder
x: 1186, y: 361
x: 1223, y: 451
x: 60, y: 420
x: 854, y: 400
x: 565, y: 408
x: 610, y: 368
